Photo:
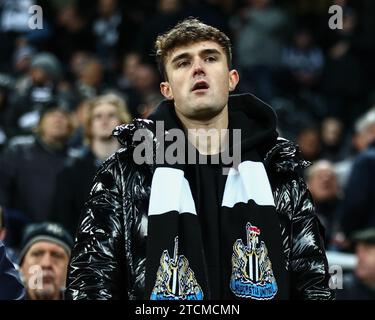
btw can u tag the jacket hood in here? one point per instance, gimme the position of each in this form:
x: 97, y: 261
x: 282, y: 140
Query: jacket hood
x: 257, y: 122
x: 255, y: 119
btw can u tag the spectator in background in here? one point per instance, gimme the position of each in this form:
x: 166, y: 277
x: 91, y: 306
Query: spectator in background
x: 79, y: 118
x: 104, y: 113
x: 358, y: 208
x: 6, y: 83
x: 322, y: 183
x: 139, y: 81
x: 303, y: 63
x: 130, y: 64
x: 22, y: 58
x: 146, y: 86
x: 11, y: 287
x: 72, y: 33
x: 361, y: 284
x: 29, y: 166
x: 260, y: 34
x: 126, y: 80
x: 364, y: 128
x: 309, y: 142
x: 332, y: 135
x: 77, y: 60
x: 90, y: 79
x: 111, y: 32
x: 44, y: 260
x: 39, y: 89
x: 14, y: 27
x: 342, y: 81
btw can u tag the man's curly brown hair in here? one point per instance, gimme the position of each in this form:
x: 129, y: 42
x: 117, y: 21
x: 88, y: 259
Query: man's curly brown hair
x: 189, y: 31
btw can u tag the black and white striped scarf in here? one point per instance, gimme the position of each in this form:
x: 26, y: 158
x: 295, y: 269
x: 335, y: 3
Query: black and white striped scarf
x: 252, y: 262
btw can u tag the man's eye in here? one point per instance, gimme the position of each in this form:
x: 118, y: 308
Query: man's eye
x: 211, y: 59
x: 183, y: 64
x: 37, y: 253
x: 57, y: 255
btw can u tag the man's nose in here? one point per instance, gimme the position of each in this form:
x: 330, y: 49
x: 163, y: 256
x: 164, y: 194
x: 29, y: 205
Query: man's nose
x: 46, y: 260
x: 198, y: 67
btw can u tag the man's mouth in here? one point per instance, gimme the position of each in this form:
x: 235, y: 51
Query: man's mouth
x: 200, y: 85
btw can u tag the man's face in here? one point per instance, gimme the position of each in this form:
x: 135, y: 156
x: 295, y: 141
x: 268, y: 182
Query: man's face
x: 199, y: 80
x: 365, y: 269
x: 44, y: 268
x: 323, y: 183
x: 38, y: 76
x: 104, y: 120
x: 55, y: 125
x: 92, y: 74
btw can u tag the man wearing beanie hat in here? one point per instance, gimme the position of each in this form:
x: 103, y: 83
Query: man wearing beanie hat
x: 48, y: 63
x: 44, y: 259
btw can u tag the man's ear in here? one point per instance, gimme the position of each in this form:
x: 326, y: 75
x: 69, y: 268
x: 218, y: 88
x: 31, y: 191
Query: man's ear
x: 3, y: 233
x: 234, y: 78
x: 166, y: 90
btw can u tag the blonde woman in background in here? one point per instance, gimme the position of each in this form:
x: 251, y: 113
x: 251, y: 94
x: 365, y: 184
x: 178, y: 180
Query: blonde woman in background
x: 103, y: 114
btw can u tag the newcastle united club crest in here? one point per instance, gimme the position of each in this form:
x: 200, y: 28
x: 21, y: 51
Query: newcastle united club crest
x: 174, y: 279
x: 252, y: 275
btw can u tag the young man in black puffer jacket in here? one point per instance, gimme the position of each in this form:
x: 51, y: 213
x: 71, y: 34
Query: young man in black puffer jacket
x: 238, y: 223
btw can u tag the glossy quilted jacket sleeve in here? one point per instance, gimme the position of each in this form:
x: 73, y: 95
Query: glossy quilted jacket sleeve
x: 302, y: 231
x: 308, y: 262
x: 95, y: 271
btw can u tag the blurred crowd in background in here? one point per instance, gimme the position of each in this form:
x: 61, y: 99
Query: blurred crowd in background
x: 64, y: 88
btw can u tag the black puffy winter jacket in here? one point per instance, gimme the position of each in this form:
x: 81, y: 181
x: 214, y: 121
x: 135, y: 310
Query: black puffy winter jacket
x: 108, y: 259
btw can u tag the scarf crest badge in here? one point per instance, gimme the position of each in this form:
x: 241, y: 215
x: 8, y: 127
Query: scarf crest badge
x: 174, y: 279
x: 252, y: 274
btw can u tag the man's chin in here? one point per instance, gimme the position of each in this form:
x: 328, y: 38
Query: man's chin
x: 47, y: 293
x: 205, y: 113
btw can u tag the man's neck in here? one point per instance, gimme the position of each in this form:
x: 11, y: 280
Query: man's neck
x: 102, y: 149
x: 55, y: 144
x: 198, y: 132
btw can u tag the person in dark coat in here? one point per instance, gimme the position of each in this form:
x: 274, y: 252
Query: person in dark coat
x: 11, y: 287
x: 358, y: 207
x: 30, y: 165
